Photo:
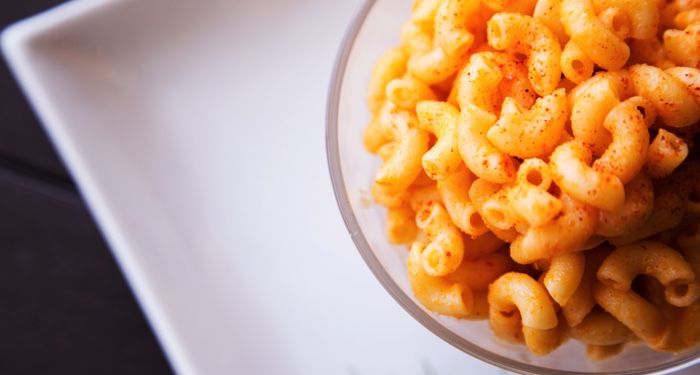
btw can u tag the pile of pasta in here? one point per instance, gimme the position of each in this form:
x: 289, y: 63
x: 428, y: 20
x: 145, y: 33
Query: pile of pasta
x: 538, y: 161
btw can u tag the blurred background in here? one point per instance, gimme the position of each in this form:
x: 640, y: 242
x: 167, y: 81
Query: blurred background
x: 65, y: 307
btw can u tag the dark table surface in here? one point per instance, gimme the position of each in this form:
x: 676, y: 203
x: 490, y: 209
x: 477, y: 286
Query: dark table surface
x: 65, y: 307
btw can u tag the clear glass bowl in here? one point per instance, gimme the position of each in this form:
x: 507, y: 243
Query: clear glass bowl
x: 375, y: 29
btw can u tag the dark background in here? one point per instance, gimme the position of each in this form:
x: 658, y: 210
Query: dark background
x: 65, y: 307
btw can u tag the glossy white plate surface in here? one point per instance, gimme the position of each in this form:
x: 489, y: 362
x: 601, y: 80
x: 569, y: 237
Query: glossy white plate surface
x: 195, y: 130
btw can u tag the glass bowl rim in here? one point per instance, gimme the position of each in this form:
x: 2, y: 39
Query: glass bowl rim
x: 363, y: 247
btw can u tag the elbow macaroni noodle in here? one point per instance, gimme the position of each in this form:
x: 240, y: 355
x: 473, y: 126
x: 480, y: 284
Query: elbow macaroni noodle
x: 601, y: 44
x: 683, y: 46
x: 689, y: 77
x: 572, y: 173
x: 575, y: 64
x: 445, y: 251
x: 639, y: 203
x: 454, y: 191
x: 666, y: 152
x: 451, y: 20
x: 531, y: 133
x: 524, y: 34
x: 626, y: 153
x: 480, y: 156
x: 564, y: 276
x: 674, y: 102
x: 566, y: 233
x: 653, y: 259
x: 643, y: 15
x: 581, y: 303
x: 537, y: 157
x: 549, y: 13
x: 616, y: 19
x: 440, y: 119
x: 519, y: 291
x: 601, y: 329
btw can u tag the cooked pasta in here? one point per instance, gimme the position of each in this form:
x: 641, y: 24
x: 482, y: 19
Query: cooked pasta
x: 537, y: 157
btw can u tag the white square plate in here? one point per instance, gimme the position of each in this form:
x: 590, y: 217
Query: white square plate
x: 195, y: 132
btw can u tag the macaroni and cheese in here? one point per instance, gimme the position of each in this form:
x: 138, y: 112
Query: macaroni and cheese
x: 537, y: 158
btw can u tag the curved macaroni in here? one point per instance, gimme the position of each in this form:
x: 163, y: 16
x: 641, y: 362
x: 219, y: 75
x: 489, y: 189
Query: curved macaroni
x: 641, y: 317
x: 407, y: 91
x: 482, y: 158
x: 686, y: 18
x: 415, y: 39
x: 440, y: 119
x: 514, y: 83
x: 491, y: 76
x: 651, y: 52
x: 674, y: 104
x: 445, y: 251
x: 529, y: 197
x: 564, y: 276
x: 683, y: 331
x: 531, y: 133
x: 401, y: 225
x: 423, y: 13
x: 386, y: 199
x: 549, y: 13
x: 478, y: 274
x: 535, y: 172
x: 690, y: 77
x: 570, y: 170
x: 639, y: 204
x: 654, y: 259
x: 511, y: 6
x: 594, y: 100
x: 506, y: 325
x: 666, y: 152
x: 643, y: 15
x: 454, y: 191
x: 451, y: 20
x: 526, y: 35
x: 496, y: 211
x: 543, y: 341
x: 600, y: 43
x: 575, y: 64
x: 477, y: 83
x: 391, y: 65
x: 683, y: 46
x: 568, y: 232
x: 601, y: 329
x: 581, y: 302
x: 672, y: 9
x: 379, y: 131
x: 436, y: 65
x: 519, y: 291
x: 436, y: 293
x: 626, y: 154
x: 482, y: 245
x: 479, y: 193
x: 373, y: 136
x: 535, y: 205
x: 404, y: 165
x: 419, y: 197
x: 616, y: 20
x: 667, y: 213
